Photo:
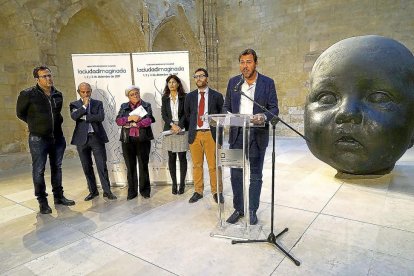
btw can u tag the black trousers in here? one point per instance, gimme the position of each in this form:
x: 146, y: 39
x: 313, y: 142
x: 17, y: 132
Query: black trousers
x: 133, y: 151
x: 97, y: 148
x: 172, y: 157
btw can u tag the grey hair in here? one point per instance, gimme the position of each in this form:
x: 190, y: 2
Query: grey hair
x: 131, y: 87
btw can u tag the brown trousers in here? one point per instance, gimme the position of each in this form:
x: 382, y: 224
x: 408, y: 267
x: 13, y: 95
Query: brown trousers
x: 204, y: 145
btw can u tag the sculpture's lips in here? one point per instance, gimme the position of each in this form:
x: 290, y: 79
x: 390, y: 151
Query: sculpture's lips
x: 348, y: 142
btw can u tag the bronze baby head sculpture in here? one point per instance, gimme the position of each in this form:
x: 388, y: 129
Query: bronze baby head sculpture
x: 359, y: 114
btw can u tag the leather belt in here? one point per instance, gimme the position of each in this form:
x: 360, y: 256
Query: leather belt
x: 203, y: 130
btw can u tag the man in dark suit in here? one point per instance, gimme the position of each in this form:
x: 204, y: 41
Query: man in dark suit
x: 201, y: 136
x: 262, y: 89
x: 89, y: 136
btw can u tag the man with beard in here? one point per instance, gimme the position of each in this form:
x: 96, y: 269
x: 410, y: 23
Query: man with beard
x: 201, y: 136
x: 40, y: 108
x: 262, y: 89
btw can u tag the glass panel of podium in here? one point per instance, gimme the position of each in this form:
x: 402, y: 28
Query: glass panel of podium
x: 227, y: 159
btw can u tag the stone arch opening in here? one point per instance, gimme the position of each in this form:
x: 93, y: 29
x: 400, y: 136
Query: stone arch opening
x: 84, y: 33
x: 175, y: 34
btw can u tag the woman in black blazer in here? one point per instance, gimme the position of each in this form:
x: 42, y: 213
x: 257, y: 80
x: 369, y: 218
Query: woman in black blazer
x: 176, y: 142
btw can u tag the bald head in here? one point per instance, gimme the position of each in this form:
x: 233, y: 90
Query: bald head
x: 84, y: 90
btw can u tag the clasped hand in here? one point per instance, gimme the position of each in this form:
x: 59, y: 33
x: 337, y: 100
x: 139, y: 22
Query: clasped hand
x: 175, y: 129
x: 134, y: 118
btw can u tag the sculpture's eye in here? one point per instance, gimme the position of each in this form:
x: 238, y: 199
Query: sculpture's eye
x: 326, y: 98
x: 379, y: 97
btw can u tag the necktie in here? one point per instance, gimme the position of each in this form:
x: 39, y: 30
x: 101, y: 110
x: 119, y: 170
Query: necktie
x: 201, y: 109
x: 90, y: 128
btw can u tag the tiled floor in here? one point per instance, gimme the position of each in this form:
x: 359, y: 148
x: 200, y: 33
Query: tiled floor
x: 336, y: 227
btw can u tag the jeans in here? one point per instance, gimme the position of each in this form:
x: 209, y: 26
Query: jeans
x: 40, y: 148
x: 256, y: 159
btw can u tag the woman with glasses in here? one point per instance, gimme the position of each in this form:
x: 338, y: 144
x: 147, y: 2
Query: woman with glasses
x: 176, y: 141
x: 135, y: 117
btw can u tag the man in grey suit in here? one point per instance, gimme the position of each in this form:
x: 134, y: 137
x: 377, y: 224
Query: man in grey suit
x: 89, y: 136
x: 201, y: 136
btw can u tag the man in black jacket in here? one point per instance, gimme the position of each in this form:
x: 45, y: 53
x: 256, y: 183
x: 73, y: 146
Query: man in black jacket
x: 90, y: 137
x: 40, y: 107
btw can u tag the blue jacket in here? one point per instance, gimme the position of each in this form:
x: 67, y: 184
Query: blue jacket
x: 265, y: 95
x: 95, y: 117
x: 215, y: 105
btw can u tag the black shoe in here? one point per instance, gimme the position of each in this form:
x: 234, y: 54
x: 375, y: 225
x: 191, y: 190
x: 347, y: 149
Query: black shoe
x: 129, y: 197
x: 64, y: 201
x: 109, y: 195
x: 174, y: 189
x: 145, y: 196
x: 235, y: 217
x: 181, y: 190
x: 196, y: 196
x: 45, y: 208
x: 253, y: 218
x: 91, y: 196
x: 221, y: 198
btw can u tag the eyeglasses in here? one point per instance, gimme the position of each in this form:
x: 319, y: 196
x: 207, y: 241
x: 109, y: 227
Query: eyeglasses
x: 45, y: 76
x: 199, y: 76
x: 133, y: 94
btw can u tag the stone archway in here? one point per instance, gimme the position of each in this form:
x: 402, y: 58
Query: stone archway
x: 86, y: 27
x: 84, y: 33
x: 175, y: 34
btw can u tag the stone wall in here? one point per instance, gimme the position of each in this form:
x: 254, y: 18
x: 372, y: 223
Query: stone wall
x: 288, y: 36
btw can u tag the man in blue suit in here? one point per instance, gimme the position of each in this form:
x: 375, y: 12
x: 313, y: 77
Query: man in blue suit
x: 262, y: 89
x: 89, y: 136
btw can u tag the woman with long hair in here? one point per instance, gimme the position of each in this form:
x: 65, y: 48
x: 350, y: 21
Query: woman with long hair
x: 176, y: 142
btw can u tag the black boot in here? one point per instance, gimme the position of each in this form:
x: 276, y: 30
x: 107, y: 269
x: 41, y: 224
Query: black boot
x: 44, y: 207
x: 174, y: 181
x: 181, y: 190
x: 172, y: 156
x: 183, y: 171
x: 64, y: 201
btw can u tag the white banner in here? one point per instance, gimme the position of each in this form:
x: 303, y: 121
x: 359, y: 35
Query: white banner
x: 151, y: 70
x: 109, y: 75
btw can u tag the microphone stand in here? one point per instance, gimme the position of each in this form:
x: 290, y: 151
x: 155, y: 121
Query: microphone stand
x: 272, y: 238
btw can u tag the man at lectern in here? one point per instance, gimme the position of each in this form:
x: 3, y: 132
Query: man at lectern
x: 262, y: 89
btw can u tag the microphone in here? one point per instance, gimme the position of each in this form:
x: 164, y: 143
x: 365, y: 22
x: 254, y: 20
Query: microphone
x: 239, y: 83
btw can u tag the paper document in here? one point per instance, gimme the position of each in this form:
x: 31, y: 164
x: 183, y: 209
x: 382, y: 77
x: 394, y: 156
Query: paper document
x: 169, y: 132
x: 140, y: 111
